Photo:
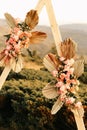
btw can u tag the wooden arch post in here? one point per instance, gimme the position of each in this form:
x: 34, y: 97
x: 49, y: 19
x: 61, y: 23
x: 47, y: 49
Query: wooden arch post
x: 52, y: 20
x: 58, y: 40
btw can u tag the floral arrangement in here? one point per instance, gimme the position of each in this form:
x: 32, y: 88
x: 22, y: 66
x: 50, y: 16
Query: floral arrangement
x: 20, y: 37
x: 66, y: 85
x: 65, y: 69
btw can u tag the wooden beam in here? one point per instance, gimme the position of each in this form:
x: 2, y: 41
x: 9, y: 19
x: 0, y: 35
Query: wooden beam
x: 52, y: 20
x: 58, y: 40
x: 39, y: 6
x: 54, y: 25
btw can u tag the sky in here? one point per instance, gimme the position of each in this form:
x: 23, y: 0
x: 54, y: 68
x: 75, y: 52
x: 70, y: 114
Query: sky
x: 66, y: 11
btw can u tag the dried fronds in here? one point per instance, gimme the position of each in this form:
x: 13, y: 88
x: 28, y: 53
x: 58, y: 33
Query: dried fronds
x: 37, y: 37
x: 32, y: 19
x: 51, y: 62
x: 10, y: 20
x: 68, y: 48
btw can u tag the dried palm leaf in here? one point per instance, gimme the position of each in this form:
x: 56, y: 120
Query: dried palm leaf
x: 3, y: 58
x: 68, y: 48
x: 37, y: 37
x: 78, y: 111
x: 54, y: 59
x: 2, y: 63
x: 32, y: 19
x: 78, y: 67
x: 10, y: 20
x: 78, y: 114
x: 48, y: 63
x: 50, y: 91
x: 51, y: 62
x: 17, y: 65
x: 57, y: 106
x: 2, y: 55
x: 81, y: 111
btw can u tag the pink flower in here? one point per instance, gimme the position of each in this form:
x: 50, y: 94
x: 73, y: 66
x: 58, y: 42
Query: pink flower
x: 59, y: 84
x: 74, y: 81
x: 6, y: 52
x: 70, y: 100
x: 67, y: 77
x: 62, y: 88
x: 78, y: 105
x: 62, y: 76
x: 15, y: 33
x: 62, y: 58
x: 62, y: 91
x: 67, y: 86
x: 16, y: 37
x: 54, y: 73
x: 71, y: 70
x: 69, y: 62
x: 14, y: 54
x: 73, y: 90
x: 17, y: 48
x: 78, y: 83
x: 66, y: 68
x: 11, y: 41
x: 8, y: 47
x: 16, y: 30
x: 62, y: 97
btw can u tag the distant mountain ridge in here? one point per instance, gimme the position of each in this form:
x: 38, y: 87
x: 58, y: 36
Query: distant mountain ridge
x: 79, y: 27
x: 78, y: 32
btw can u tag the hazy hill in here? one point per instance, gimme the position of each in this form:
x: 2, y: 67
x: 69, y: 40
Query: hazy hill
x: 77, y: 32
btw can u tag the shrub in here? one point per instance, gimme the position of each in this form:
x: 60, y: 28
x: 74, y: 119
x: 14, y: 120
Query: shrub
x: 23, y: 107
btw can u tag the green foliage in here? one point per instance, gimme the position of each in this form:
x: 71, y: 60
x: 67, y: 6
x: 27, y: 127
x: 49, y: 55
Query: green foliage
x: 33, y: 56
x: 31, y: 74
x: 23, y: 107
x: 53, y: 50
x: 85, y: 67
x: 83, y: 86
x: 83, y: 78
